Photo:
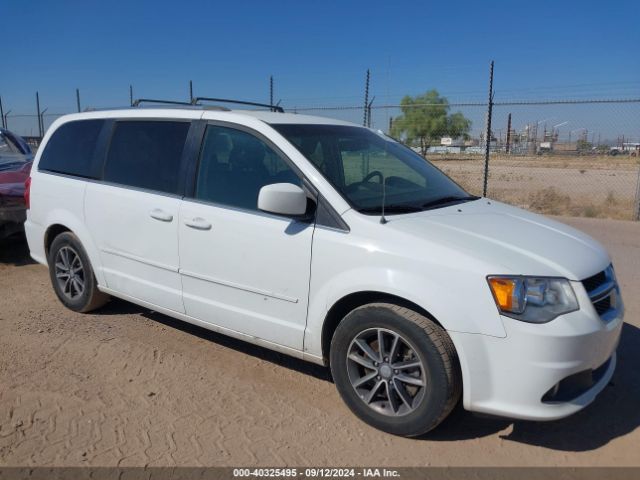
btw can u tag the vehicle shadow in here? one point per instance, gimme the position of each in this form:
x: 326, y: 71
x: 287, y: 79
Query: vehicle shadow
x: 15, y: 251
x: 614, y: 413
x: 120, y: 307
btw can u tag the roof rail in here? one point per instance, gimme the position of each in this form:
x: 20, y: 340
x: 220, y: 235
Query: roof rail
x: 273, y: 108
x: 136, y: 103
x: 196, y: 103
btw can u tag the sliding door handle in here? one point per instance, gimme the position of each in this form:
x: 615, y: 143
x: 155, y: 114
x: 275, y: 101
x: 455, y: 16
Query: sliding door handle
x: 160, y: 215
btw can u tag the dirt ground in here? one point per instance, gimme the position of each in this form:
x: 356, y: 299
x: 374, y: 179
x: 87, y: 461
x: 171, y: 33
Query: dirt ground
x: 588, y: 186
x: 130, y: 387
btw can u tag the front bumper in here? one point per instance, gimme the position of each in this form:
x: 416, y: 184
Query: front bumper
x: 525, y: 374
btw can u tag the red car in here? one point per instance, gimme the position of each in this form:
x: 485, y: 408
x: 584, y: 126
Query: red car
x: 15, y: 167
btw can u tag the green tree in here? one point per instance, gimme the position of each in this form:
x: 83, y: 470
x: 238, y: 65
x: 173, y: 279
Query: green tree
x: 425, y: 119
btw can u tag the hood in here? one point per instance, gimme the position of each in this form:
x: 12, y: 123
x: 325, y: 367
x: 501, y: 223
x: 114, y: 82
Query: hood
x: 514, y: 240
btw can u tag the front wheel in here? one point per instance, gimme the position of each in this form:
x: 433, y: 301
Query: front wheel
x: 72, y: 276
x: 395, y: 369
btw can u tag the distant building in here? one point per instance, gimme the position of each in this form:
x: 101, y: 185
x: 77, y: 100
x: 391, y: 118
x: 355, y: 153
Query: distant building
x: 451, y: 142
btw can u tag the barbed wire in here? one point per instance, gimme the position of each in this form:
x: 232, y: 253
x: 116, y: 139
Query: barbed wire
x: 471, y: 104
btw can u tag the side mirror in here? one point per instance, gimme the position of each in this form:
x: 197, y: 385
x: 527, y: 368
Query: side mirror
x: 283, y: 199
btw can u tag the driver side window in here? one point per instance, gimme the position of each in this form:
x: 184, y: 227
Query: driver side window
x: 234, y: 165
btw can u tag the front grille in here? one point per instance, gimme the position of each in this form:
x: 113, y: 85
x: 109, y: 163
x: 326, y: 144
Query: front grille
x: 603, y: 305
x: 595, y: 281
x: 602, y: 290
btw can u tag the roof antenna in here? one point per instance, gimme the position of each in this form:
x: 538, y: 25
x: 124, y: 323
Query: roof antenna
x: 384, y: 199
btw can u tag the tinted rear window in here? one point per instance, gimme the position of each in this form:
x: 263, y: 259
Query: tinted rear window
x: 71, y: 149
x: 146, y: 154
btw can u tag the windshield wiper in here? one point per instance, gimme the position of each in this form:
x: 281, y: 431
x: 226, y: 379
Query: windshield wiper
x: 393, y: 208
x: 449, y: 200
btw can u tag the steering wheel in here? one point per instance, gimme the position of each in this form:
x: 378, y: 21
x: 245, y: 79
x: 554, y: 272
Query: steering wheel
x: 366, y: 180
x: 375, y: 173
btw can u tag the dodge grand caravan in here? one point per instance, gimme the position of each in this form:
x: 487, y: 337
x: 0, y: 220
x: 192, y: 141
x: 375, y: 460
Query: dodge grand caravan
x: 332, y: 243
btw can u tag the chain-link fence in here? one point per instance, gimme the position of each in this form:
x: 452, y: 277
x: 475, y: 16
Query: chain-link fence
x: 29, y: 126
x: 576, y: 158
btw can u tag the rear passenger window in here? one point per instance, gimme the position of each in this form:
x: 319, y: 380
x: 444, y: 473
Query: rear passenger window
x: 71, y: 149
x: 235, y: 165
x: 146, y: 154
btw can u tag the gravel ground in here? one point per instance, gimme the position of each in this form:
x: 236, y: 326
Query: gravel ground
x: 130, y: 387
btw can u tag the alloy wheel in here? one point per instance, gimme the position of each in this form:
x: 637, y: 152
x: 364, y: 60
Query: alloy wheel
x: 386, y: 372
x: 69, y: 272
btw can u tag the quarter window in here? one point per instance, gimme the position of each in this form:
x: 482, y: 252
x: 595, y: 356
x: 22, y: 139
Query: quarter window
x: 234, y: 165
x: 71, y: 149
x: 146, y: 154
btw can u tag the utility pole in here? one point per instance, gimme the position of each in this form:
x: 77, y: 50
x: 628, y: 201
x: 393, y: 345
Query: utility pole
x: 271, y: 92
x: 369, y: 112
x: 390, y: 124
x: 488, y: 134
x: 508, y: 149
x: 38, y: 111
x: 366, y: 98
x: 190, y: 91
x: 131, y: 95
x: 78, y: 98
x: 2, y: 113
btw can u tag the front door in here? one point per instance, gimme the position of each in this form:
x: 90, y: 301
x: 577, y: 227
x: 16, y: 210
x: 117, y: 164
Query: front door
x: 243, y: 269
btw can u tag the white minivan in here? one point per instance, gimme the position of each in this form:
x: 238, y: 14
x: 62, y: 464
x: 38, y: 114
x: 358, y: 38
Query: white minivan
x: 332, y: 243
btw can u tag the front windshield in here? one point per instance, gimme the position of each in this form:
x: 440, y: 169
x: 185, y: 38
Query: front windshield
x: 357, y: 161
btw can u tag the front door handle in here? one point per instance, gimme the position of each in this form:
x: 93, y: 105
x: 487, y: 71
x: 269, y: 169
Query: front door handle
x: 198, y: 223
x: 160, y: 215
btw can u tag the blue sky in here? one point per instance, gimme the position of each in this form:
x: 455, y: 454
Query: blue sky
x: 318, y: 52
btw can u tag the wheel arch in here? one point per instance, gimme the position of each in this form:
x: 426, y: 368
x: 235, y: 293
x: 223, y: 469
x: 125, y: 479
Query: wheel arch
x: 51, y: 233
x: 354, y: 300
x: 60, y: 221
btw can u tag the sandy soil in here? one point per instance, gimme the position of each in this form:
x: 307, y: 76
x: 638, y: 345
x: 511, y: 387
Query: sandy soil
x: 577, y: 186
x: 127, y: 386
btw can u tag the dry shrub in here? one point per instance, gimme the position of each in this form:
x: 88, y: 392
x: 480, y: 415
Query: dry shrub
x: 590, y: 211
x: 549, y: 201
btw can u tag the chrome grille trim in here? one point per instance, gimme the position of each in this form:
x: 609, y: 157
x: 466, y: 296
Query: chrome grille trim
x: 607, y: 290
x: 603, y: 291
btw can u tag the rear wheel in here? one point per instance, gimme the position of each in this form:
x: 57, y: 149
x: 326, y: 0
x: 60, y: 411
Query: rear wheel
x: 395, y: 369
x: 72, y: 276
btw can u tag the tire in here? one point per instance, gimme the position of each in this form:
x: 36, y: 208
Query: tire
x: 408, y: 409
x: 72, y: 276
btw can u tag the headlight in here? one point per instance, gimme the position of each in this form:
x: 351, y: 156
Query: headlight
x: 533, y: 299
